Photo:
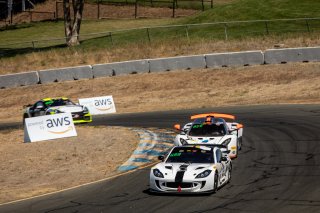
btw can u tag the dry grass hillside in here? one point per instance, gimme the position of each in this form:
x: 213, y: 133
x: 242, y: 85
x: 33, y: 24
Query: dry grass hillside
x: 72, y: 57
x: 266, y: 84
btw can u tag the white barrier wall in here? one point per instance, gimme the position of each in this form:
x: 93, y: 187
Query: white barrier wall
x: 177, y: 63
x: 99, y: 105
x: 65, y: 74
x: 18, y: 79
x: 234, y: 59
x: 49, y: 127
x: 277, y: 56
x: 273, y: 56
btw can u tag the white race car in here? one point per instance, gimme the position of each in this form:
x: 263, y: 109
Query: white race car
x: 211, y: 128
x: 191, y: 169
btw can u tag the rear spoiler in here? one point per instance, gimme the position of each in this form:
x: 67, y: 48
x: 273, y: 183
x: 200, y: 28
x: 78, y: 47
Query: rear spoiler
x: 216, y: 115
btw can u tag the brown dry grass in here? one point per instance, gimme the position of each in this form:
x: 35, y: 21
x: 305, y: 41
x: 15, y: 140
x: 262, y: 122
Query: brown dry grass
x: 291, y: 83
x: 29, y: 169
x: 73, y: 57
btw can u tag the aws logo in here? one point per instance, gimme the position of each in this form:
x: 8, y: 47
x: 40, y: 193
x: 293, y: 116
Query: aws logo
x: 103, y: 104
x: 58, y: 123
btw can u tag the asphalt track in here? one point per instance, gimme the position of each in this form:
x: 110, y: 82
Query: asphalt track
x: 278, y: 169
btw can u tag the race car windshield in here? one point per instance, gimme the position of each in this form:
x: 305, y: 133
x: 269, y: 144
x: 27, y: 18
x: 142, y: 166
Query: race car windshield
x: 61, y: 102
x: 190, y: 155
x: 207, y: 130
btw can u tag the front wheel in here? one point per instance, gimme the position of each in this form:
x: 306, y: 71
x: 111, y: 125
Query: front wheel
x: 229, y: 175
x: 215, y: 184
x: 239, y: 143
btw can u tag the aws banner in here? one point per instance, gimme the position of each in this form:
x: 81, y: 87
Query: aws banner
x: 99, y: 105
x: 49, y: 127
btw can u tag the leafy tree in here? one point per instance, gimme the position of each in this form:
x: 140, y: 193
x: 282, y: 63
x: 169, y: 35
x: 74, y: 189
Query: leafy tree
x: 72, y: 26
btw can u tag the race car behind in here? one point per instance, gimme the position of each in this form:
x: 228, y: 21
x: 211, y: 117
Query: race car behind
x: 209, y: 129
x: 50, y: 106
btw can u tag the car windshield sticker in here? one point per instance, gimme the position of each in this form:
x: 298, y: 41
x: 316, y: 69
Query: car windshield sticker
x: 175, y: 154
x: 196, y: 126
x: 48, y: 102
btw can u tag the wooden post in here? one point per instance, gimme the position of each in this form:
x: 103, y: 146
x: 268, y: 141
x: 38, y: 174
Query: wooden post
x: 32, y: 44
x: 11, y: 18
x: 308, y: 27
x: 225, y: 31
x: 267, y: 29
x: 98, y: 9
x: 57, y: 10
x: 148, y: 33
x: 211, y: 4
x: 30, y: 13
x: 187, y: 33
x: 202, y: 4
x: 173, y: 9
x: 110, y: 34
x: 136, y: 9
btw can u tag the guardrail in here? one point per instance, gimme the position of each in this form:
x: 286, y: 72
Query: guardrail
x: 216, y: 60
x: 216, y: 30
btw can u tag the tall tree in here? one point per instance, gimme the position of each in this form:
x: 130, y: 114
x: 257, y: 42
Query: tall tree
x: 72, y: 26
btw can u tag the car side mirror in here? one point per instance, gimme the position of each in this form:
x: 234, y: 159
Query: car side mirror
x: 224, y: 159
x: 177, y: 127
x: 161, y: 157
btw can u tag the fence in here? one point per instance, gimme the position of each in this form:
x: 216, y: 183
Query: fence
x: 101, y: 9
x: 217, y: 30
x: 98, y: 9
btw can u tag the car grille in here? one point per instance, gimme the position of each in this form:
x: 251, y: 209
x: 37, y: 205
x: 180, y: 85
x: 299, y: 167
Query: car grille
x: 176, y: 185
x: 78, y: 116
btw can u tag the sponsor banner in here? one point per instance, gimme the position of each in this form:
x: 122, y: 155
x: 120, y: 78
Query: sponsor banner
x: 49, y: 127
x: 99, y: 105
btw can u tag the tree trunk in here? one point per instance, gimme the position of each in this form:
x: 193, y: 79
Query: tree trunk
x: 72, y: 27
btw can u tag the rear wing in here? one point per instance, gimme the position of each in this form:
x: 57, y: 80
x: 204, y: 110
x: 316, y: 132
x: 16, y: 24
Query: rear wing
x: 216, y: 115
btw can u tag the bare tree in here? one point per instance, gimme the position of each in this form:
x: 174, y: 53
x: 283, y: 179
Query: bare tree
x: 72, y: 27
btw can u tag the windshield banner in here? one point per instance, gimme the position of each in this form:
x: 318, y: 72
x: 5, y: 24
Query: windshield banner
x: 99, y: 105
x: 49, y: 127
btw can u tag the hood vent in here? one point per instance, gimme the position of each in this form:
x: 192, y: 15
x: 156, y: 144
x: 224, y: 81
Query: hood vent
x: 183, y: 167
x: 168, y: 167
x: 199, y: 168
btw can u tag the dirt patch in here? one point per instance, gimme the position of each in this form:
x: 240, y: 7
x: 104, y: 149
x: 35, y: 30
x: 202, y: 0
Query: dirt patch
x: 290, y: 83
x: 29, y: 169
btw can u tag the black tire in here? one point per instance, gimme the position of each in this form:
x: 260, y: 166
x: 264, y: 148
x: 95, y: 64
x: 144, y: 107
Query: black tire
x: 215, y: 184
x: 240, y: 143
x: 229, y: 174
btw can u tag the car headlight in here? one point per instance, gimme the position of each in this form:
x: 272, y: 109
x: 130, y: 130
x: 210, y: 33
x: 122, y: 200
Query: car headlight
x: 226, y: 142
x: 183, y: 141
x: 157, y: 173
x: 85, y: 110
x: 204, y: 174
x: 53, y: 111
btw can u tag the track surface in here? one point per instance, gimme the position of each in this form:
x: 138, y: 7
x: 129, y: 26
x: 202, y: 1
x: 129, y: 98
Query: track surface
x: 278, y: 169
